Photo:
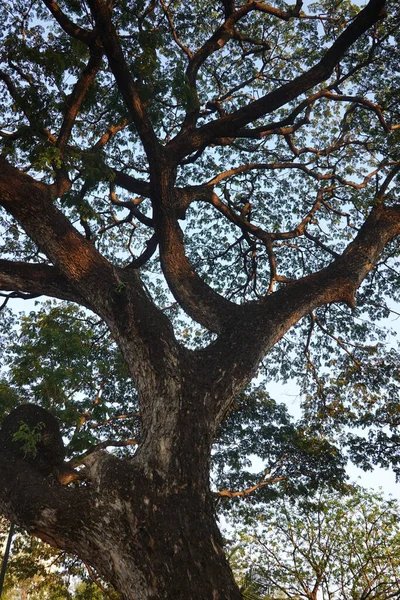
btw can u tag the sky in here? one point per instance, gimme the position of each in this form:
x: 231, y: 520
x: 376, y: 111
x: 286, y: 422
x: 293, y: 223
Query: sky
x: 378, y: 479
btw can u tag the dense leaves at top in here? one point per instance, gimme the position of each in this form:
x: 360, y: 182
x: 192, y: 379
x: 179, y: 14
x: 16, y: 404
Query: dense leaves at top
x: 278, y: 200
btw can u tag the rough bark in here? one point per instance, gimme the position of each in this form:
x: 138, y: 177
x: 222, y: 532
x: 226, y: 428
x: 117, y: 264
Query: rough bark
x: 147, y: 525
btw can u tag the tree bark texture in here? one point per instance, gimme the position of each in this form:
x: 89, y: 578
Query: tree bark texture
x: 147, y: 524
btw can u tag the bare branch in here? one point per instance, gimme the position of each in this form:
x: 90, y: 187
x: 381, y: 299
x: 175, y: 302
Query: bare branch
x: 250, y: 490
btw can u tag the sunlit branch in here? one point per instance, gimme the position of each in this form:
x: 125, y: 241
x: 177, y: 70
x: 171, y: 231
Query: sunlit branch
x: 112, y: 130
x: 250, y: 490
x: 279, y: 166
x: 71, y: 28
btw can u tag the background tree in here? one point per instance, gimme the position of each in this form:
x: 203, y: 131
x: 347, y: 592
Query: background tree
x: 271, y: 134
x: 329, y: 547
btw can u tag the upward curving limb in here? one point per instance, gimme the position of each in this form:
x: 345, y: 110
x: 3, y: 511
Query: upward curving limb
x: 196, y: 297
x: 230, y: 125
x: 267, y: 321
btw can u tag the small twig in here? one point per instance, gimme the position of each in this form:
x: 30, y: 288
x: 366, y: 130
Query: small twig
x: 250, y: 490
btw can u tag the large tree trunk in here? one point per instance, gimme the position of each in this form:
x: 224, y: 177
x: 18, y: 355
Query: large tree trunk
x: 146, y: 524
x: 160, y: 540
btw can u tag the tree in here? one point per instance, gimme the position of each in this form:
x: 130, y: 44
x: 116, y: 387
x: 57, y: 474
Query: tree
x: 271, y: 133
x: 328, y: 547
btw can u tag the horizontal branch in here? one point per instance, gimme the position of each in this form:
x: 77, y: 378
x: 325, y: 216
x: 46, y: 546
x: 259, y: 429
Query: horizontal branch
x: 250, y: 490
x: 37, y: 279
x: 131, y: 184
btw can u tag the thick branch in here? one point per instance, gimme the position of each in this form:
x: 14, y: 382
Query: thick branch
x: 117, y: 295
x: 129, y: 183
x: 196, y: 297
x: 30, y: 202
x: 77, y: 96
x: 71, y: 28
x: 37, y: 279
x: 263, y: 324
x: 26, y: 498
x: 123, y: 76
x: 228, y: 126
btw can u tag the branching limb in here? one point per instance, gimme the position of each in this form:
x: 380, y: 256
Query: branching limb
x: 229, y: 125
x: 71, y: 28
x: 75, y: 100
x: 112, y: 130
x: 279, y: 166
x: 306, y: 105
x: 31, y: 204
x: 132, y: 206
x: 29, y: 280
x: 267, y: 321
x: 123, y: 77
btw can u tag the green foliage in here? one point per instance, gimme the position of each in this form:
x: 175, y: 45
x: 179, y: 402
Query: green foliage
x: 329, y: 547
x: 64, y: 359
x: 260, y: 441
x: 29, y: 437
